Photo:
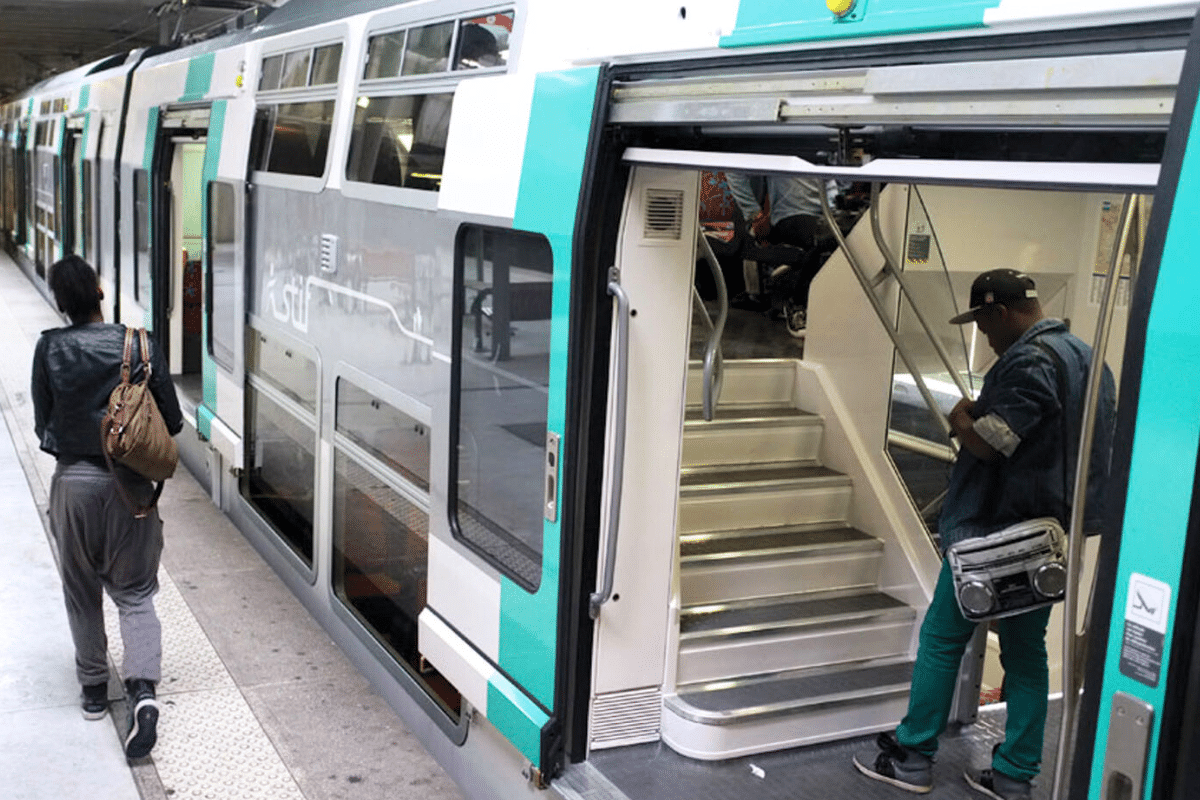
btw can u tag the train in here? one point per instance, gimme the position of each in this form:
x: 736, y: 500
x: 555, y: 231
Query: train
x: 427, y: 275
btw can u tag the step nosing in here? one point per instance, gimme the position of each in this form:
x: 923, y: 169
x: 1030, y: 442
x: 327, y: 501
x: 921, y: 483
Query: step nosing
x: 682, y: 706
x: 771, y: 630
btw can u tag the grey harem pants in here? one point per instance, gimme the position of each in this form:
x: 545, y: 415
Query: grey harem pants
x: 102, y: 546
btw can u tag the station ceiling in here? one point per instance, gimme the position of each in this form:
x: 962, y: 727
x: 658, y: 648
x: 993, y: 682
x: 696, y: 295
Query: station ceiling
x: 39, y: 38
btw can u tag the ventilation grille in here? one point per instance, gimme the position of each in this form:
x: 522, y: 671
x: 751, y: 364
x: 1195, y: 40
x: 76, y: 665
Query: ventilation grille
x: 625, y: 718
x: 329, y: 252
x: 664, y: 214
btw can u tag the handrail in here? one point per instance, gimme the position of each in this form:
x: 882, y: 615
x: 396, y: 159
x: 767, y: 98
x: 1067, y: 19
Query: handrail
x: 620, y: 387
x: 865, y: 282
x: 714, y: 370
x: 1075, y: 540
x: 898, y: 274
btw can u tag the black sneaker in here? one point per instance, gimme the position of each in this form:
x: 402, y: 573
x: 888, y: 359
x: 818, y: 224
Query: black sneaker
x: 893, y: 763
x: 997, y: 785
x: 143, y: 718
x: 95, y: 701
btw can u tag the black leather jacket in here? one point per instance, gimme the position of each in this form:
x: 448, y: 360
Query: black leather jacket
x: 75, y: 369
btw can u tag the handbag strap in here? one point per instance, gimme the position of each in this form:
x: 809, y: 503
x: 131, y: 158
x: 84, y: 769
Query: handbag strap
x: 127, y: 357
x: 145, y: 352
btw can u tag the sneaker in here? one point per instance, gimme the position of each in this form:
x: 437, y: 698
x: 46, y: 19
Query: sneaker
x: 143, y: 718
x: 796, y: 317
x: 997, y: 785
x: 95, y: 701
x: 893, y: 763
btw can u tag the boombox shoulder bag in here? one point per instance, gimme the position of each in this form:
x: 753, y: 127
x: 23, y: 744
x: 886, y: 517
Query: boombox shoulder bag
x: 133, y: 431
x: 1011, y: 571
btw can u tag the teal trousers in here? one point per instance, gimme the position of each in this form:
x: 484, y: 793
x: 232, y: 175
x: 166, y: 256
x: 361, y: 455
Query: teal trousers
x: 944, y: 636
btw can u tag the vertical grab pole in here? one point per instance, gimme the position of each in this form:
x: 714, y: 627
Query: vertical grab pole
x: 1078, y: 507
x: 620, y: 387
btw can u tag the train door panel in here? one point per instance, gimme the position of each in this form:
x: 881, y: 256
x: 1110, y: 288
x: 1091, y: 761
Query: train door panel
x: 1143, y: 712
x: 70, y: 206
x: 656, y: 258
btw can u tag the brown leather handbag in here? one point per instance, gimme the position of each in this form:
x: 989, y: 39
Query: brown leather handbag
x: 133, y: 431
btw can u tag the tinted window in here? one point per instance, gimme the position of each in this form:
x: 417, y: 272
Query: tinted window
x: 501, y: 384
x: 384, y: 54
x: 222, y: 253
x: 293, y: 138
x: 326, y: 61
x: 272, y: 69
x: 279, y: 469
x: 400, y: 141
x: 428, y: 49
x: 141, y: 234
x: 280, y: 364
x: 483, y: 42
x: 295, y: 69
x: 386, y: 432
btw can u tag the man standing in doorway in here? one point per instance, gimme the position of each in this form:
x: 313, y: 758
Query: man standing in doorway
x: 1019, y: 441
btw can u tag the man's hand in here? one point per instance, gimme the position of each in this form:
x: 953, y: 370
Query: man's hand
x: 962, y: 424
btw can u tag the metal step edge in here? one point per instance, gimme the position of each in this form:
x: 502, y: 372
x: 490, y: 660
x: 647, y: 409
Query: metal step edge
x: 738, y: 545
x: 786, y: 675
x: 747, y: 416
x: 791, y: 597
x: 783, y: 467
x: 771, y: 630
x: 798, y: 484
x: 788, y: 553
x: 681, y: 707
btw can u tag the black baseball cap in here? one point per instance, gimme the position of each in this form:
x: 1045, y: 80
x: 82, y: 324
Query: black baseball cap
x: 1005, y: 286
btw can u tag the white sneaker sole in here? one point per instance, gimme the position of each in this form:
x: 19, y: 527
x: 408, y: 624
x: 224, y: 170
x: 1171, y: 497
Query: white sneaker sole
x: 143, y: 734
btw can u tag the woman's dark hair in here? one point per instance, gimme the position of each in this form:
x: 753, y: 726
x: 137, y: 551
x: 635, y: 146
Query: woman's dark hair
x: 75, y: 288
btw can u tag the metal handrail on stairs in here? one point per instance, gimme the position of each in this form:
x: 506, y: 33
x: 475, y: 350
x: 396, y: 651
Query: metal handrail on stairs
x: 714, y: 369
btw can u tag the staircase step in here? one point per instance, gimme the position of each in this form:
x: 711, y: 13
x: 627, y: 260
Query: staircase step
x: 747, y: 382
x: 775, y: 614
x: 717, y: 642
x: 756, y: 543
x: 729, y: 702
x: 757, y: 477
x: 761, y: 497
x: 767, y: 713
x: 751, y: 435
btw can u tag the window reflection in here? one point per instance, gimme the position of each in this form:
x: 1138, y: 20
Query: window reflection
x: 400, y: 141
x: 279, y: 469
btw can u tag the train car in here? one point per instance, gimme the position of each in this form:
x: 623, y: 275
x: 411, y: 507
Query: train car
x: 444, y: 286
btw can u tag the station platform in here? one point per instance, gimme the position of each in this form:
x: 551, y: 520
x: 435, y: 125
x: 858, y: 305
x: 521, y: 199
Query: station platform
x: 257, y: 702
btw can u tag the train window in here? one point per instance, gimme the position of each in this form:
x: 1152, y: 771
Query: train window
x: 287, y: 370
x: 380, y: 562
x: 428, y: 49
x: 293, y: 138
x: 500, y: 379
x: 326, y: 61
x: 87, y: 204
x: 141, y: 235
x: 272, y: 69
x: 386, y: 432
x: 384, y: 53
x: 483, y: 41
x: 400, y: 141
x: 222, y: 257
x: 295, y: 69
x: 280, y: 467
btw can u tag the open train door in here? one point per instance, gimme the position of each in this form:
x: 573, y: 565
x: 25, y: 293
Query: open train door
x: 1138, y: 729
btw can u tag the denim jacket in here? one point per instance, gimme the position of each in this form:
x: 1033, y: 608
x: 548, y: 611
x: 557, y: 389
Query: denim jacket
x: 1020, y: 413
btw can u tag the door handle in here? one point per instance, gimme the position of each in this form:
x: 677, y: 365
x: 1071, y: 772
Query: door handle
x: 1129, y: 725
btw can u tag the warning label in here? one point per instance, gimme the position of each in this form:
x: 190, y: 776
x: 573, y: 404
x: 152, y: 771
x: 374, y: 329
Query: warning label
x: 1146, y: 613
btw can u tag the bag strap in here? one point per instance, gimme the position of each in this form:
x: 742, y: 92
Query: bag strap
x: 127, y: 357
x: 145, y: 352
x: 1060, y: 374
x: 138, y: 513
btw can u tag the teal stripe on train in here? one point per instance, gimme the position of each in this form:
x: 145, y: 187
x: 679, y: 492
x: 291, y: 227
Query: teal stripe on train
x: 761, y: 22
x: 199, y: 77
x: 85, y: 96
x: 212, y: 157
x: 1163, y: 457
x: 547, y: 201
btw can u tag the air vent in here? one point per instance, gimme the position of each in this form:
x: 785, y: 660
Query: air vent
x: 664, y: 214
x: 329, y: 252
x: 622, y: 718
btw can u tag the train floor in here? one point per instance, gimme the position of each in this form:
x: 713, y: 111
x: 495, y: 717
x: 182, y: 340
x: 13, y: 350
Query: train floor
x: 817, y: 772
x: 257, y: 702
